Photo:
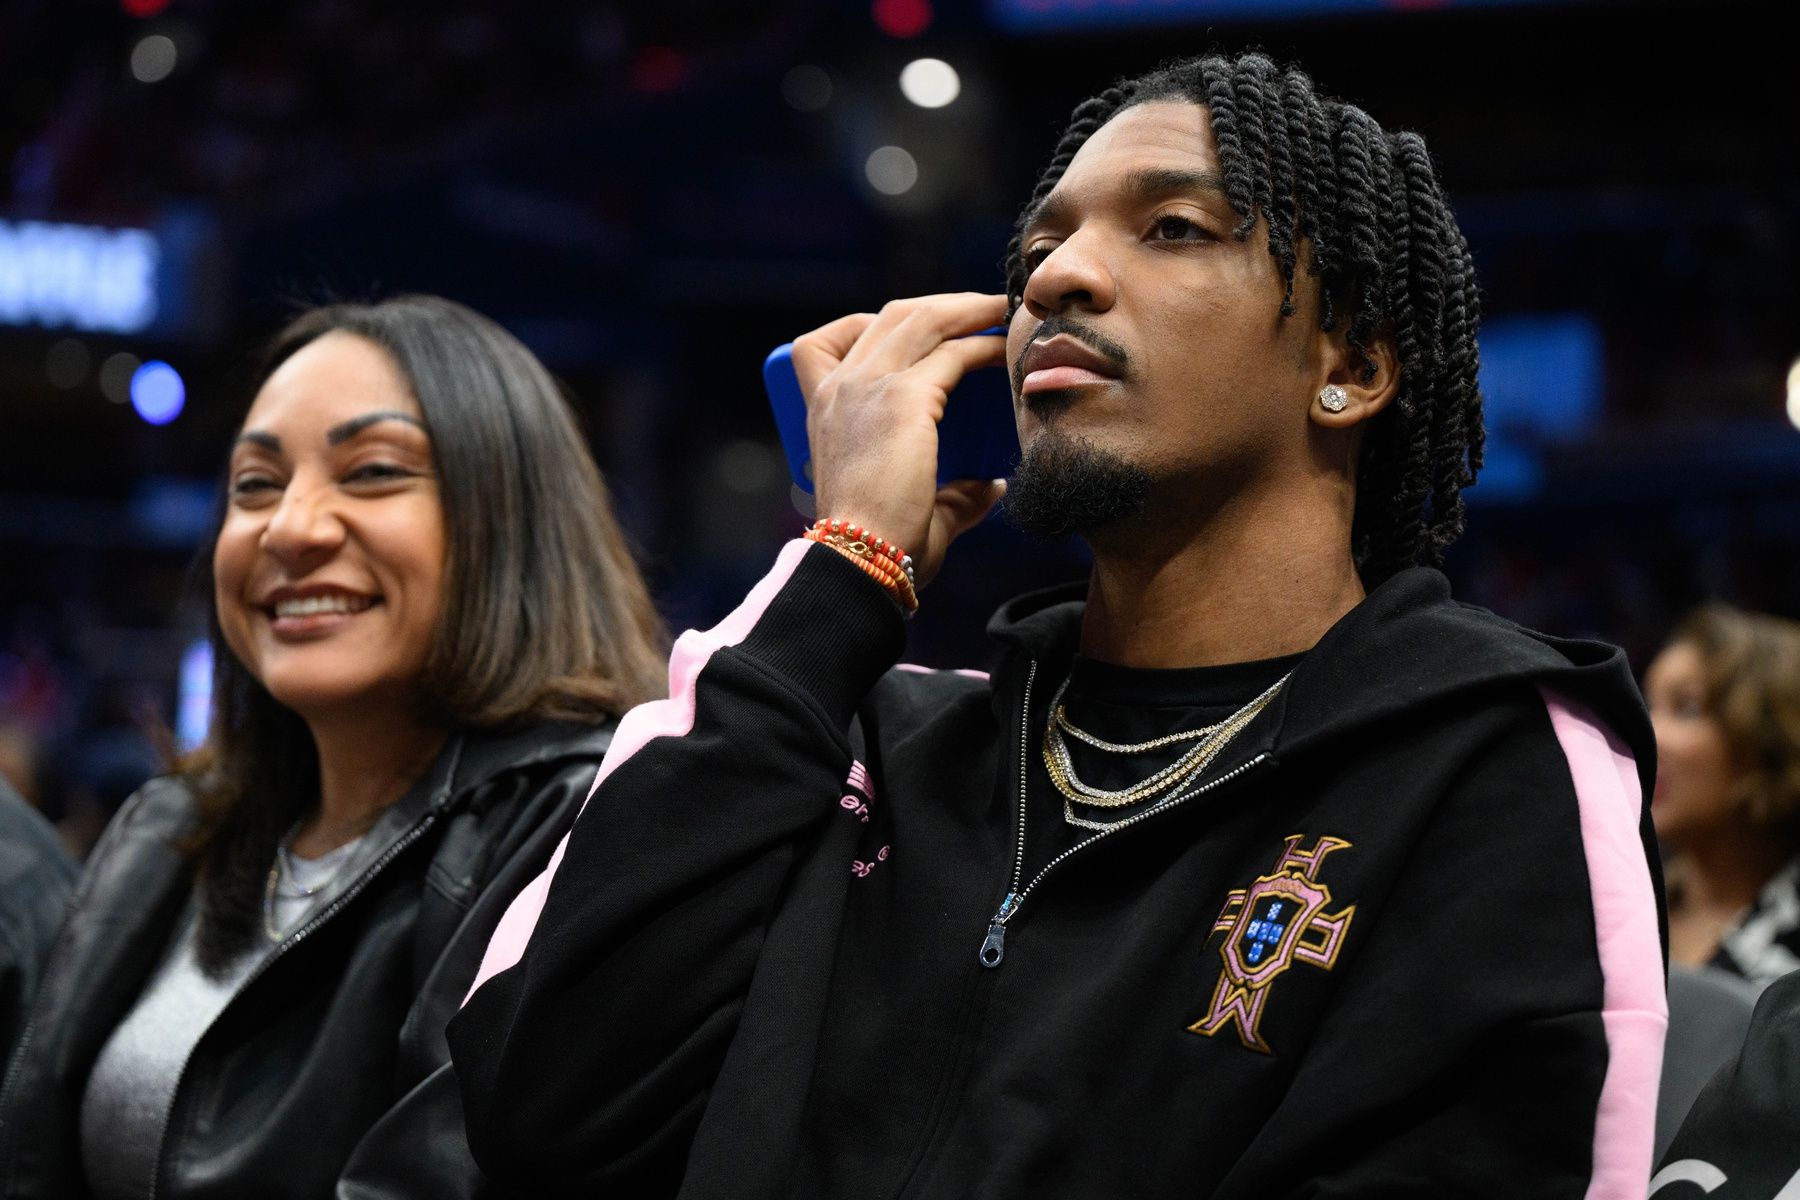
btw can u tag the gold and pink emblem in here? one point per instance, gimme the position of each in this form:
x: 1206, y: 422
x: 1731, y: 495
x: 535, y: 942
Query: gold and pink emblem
x: 1279, y: 920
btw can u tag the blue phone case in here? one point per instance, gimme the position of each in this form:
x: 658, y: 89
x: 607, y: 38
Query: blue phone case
x: 976, y: 439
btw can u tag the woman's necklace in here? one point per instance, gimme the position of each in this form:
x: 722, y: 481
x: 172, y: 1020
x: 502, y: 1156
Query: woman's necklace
x: 1211, y: 740
x: 283, y: 883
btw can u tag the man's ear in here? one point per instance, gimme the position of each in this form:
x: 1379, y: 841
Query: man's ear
x: 1362, y: 392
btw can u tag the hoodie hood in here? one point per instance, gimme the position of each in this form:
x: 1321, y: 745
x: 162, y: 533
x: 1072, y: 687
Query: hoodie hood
x: 1406, y: 651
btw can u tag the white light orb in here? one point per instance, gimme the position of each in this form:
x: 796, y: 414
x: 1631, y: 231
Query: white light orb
x: 1793, y: 396
x: 930, y: 82
x: 153, y: 58
x: 891, y: 171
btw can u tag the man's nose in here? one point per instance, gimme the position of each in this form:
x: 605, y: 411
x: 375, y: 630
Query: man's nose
x: 1075, y: 275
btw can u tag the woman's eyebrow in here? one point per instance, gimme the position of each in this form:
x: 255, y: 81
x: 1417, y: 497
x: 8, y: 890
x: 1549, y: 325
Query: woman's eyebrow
x: 343, y: 431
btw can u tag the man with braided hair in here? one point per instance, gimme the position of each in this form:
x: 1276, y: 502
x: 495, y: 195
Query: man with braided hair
x: 1258, y: 867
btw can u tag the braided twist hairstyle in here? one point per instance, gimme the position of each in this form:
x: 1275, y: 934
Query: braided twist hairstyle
x: 1366, y: 208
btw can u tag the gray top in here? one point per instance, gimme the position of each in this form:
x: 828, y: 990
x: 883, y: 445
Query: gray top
x: 132, y: 1086
x: 1709, y: 1014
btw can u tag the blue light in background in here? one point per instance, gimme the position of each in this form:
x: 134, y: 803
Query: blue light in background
x: 157, y: 392
x: 1543, y: 375
x: 1543, y: 381
x: 193, y: 702
x: 173, y: 510
x: 1035, y: 16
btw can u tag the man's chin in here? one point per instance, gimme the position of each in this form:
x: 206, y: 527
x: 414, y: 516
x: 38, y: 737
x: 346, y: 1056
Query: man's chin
x: 1066, y: 485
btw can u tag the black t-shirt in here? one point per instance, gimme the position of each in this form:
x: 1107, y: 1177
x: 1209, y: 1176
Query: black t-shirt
x: 1128, y: 705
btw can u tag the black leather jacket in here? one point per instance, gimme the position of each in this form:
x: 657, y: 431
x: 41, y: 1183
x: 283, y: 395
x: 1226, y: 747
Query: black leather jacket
x: 327, y: 1073
x: 36, y: 877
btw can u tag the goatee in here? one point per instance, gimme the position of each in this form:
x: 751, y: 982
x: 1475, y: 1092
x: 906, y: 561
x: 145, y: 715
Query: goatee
x: 1068, y: 485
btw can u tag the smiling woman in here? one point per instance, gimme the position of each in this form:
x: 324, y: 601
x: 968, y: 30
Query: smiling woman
x: 426, y: 623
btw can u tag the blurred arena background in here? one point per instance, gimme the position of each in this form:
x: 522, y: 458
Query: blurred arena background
x: 653, y: 195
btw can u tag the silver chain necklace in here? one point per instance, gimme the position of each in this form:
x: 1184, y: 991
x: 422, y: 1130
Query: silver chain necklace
x: 1212, y: 740
x: 281, y: 884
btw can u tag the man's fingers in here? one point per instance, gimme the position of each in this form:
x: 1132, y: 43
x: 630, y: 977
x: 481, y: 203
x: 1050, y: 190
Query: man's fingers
x: 905, y: 331
x: 893, y: 340
x: 964, y: 503
x: 945, y: 366
x: 956, y: 508
x: 818, y: 353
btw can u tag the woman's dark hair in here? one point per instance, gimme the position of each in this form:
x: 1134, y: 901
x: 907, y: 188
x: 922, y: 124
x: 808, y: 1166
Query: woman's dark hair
x: 1751, y: 666
x: 545, y: 615
x: 1366, y: 208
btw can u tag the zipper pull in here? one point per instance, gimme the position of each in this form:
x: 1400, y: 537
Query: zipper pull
x: 993, y: 947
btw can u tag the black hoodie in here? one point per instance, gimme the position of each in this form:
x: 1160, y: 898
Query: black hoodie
x: 756, y: 967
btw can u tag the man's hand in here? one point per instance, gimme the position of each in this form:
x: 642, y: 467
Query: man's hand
x: 875, y: 387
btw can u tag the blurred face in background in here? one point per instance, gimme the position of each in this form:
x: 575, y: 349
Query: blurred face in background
x: 328, y: 570
x: 1695, y: 776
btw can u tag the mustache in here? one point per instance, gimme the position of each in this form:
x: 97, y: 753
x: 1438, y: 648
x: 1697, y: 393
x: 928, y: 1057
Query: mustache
x: 1092, y: 338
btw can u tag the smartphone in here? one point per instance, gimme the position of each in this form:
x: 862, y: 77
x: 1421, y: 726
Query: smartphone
x: 976, y: 439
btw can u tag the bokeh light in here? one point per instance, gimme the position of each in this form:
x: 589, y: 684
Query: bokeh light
x: 153, y: 58
x: 116, y: 374
x: 806, y: 88
x: 157, y: 392
x: 930, y: 82
x: 1793, y: 396
x: 891, y: 171
x: 902, y: 18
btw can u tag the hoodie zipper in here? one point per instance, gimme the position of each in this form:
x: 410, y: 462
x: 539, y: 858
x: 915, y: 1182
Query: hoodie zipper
x: 319, y: 918
x: 993, y: 946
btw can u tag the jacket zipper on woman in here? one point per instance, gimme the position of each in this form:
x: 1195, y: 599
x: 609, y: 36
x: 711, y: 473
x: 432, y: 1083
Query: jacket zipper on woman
x: 993, y: 946
x: 317, y: 919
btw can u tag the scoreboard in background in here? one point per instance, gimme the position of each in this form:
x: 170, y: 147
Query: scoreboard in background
x: 97, y: 279
x: 1042, y: 16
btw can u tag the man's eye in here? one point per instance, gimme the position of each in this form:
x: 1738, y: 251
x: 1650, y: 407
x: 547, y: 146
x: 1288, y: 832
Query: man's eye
x: 1179, y: 229
x: 1035, y: 256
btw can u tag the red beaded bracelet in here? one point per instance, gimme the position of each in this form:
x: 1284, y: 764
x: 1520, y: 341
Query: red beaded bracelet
x: 861, y: 538
x: 881, y: 560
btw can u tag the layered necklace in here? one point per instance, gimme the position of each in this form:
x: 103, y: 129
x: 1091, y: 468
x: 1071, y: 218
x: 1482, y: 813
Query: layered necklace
x: 1208, y: 741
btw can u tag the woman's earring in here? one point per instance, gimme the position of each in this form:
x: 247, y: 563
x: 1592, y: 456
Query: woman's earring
x: 1333, y: 398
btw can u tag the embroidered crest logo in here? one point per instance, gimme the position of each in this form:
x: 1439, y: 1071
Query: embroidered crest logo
x: 1277, y: 921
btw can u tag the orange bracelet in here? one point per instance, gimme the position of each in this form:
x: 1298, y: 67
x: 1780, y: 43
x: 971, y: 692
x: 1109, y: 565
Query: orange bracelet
x: 876, y: 557
x: 889, y: 576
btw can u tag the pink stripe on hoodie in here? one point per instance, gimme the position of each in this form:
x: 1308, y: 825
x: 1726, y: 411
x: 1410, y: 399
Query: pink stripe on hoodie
x: 1634, y: 1009
x: 673, y: 717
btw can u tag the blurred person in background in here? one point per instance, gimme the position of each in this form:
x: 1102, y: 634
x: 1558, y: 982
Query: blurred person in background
x: 1724, y: 697
x: 425, y: 622
x: 36, y: 877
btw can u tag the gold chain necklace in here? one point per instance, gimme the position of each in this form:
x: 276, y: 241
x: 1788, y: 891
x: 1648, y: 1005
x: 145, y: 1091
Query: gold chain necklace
x: 1213, y: 739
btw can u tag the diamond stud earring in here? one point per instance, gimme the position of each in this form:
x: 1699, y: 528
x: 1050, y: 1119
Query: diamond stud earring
x: 1333, y: 398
